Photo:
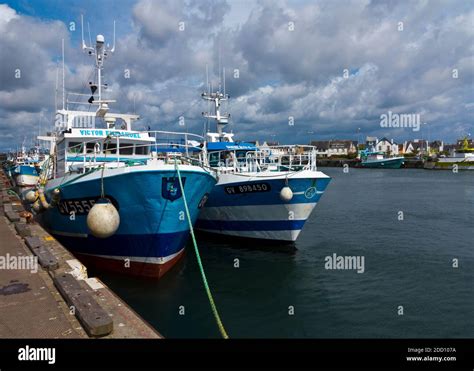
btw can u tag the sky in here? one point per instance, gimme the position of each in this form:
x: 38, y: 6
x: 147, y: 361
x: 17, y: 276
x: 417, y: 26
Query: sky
x: 295, y: 70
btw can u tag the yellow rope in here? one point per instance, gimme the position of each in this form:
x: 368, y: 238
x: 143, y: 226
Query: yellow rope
x: 201, y: 268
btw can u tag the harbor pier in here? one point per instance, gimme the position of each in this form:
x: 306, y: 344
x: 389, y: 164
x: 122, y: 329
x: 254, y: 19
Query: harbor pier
x: 341, y: 162
x: 45, y: 292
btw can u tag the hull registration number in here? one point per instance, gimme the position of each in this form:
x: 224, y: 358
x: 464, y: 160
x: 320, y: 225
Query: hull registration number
x: 248, y: 188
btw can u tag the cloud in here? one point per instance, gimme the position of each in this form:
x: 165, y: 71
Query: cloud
x: 332, y: 66
x: 26, y: 73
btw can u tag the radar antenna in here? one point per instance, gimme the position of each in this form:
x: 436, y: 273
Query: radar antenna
x: 100, y: 51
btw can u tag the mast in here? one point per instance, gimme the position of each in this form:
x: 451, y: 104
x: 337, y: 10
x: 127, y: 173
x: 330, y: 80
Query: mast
x: 208, y: 87
x: 56, y: 90
x: 222, y: 119
x: 67, y: 117
x: 64, y: 89
x: 100, y: 51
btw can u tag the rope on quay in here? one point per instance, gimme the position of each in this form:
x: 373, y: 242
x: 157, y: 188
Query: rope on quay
x: 11, y: 192
x: 198, y: 256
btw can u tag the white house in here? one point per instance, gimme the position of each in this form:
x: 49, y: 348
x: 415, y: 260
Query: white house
x: 328, y: 148
x: 269, y: 148
x: 387, y: 146
x: 416, y: 145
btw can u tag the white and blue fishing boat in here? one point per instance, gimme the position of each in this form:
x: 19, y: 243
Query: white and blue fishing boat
x: 131, y: 177
x: 24, y: 171
x: 265, y: 194
x: 25, y: 175
x: 374, y: 159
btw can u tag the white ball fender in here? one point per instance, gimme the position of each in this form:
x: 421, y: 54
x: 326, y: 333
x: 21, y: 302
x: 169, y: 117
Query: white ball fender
x: 103, y: 219
x: 286, y: 194
x: 31, y: 196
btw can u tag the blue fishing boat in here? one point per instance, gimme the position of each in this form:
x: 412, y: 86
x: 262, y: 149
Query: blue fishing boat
x: 113, y: 195
x: 24, y: 171
x: 25, y: 175
x: 373, y: 159
x: 262, y: 193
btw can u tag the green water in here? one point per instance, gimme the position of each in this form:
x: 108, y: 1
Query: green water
x: 408, y: 263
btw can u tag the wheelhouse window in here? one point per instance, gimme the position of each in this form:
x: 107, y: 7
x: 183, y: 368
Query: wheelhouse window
x: 75, y: 147
x: 214, y: 158
x: 93, y: 147
x: 141, y: 149
x: 241, y: 155
x: 126, y: 149
x: 110, y: 148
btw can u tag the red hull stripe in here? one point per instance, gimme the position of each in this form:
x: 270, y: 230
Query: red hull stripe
x: 134, y: 269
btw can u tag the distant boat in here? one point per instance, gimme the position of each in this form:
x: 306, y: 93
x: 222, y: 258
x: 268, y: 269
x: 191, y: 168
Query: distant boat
x: 24, y: 169
x: 378, y: 160
x: 25, y: 175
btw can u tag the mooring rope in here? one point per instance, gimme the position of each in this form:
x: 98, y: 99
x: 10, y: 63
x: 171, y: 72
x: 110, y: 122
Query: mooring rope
x: 198, y: 256
x: 11, y: 192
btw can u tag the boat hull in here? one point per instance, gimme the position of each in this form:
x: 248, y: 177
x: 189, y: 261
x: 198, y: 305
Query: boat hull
x: 153, y: 227
x: 252, y: 207
x: 388, y: 163
x: 25, y: 176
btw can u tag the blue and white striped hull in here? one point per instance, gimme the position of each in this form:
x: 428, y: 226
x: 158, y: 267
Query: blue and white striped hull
x: 153, y: 228
x: 24, y: 180
x: 25, y: 175
x: 262, y: 215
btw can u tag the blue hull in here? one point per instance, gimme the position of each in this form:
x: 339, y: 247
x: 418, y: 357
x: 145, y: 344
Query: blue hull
x: 153, y: 228
x: 221, y: 196
x: 25, y: 170
x: 388, y: 163
x: 261, y: 214
x: 25, y: 175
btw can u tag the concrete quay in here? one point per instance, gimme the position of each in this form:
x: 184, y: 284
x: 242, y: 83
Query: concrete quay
x: 45, y: 292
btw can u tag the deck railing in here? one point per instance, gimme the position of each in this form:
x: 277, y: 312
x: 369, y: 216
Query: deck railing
x: 275, y: 158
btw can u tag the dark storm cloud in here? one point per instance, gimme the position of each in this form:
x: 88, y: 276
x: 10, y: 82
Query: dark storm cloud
x: 272, y: 73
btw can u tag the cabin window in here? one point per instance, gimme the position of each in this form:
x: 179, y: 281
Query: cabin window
x: 140, y: 149
x: 110, y: 148
x: 126, y: 148
x: 75, y: 147
x: 241, y: 155
x: 93, y: 147
x: 214, y: 158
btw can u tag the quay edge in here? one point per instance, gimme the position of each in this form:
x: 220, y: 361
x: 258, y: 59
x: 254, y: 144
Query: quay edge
x: 59, y: 300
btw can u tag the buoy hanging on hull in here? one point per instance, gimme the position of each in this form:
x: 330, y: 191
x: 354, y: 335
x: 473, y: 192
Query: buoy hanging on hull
x: 103, y: 219
x: 286, y: 194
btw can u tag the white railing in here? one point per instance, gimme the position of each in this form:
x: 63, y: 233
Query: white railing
x: 275, y: 158
x: 296, y: 157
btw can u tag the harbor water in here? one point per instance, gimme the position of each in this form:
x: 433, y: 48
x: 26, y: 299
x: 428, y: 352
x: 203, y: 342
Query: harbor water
x: 414, y: 228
